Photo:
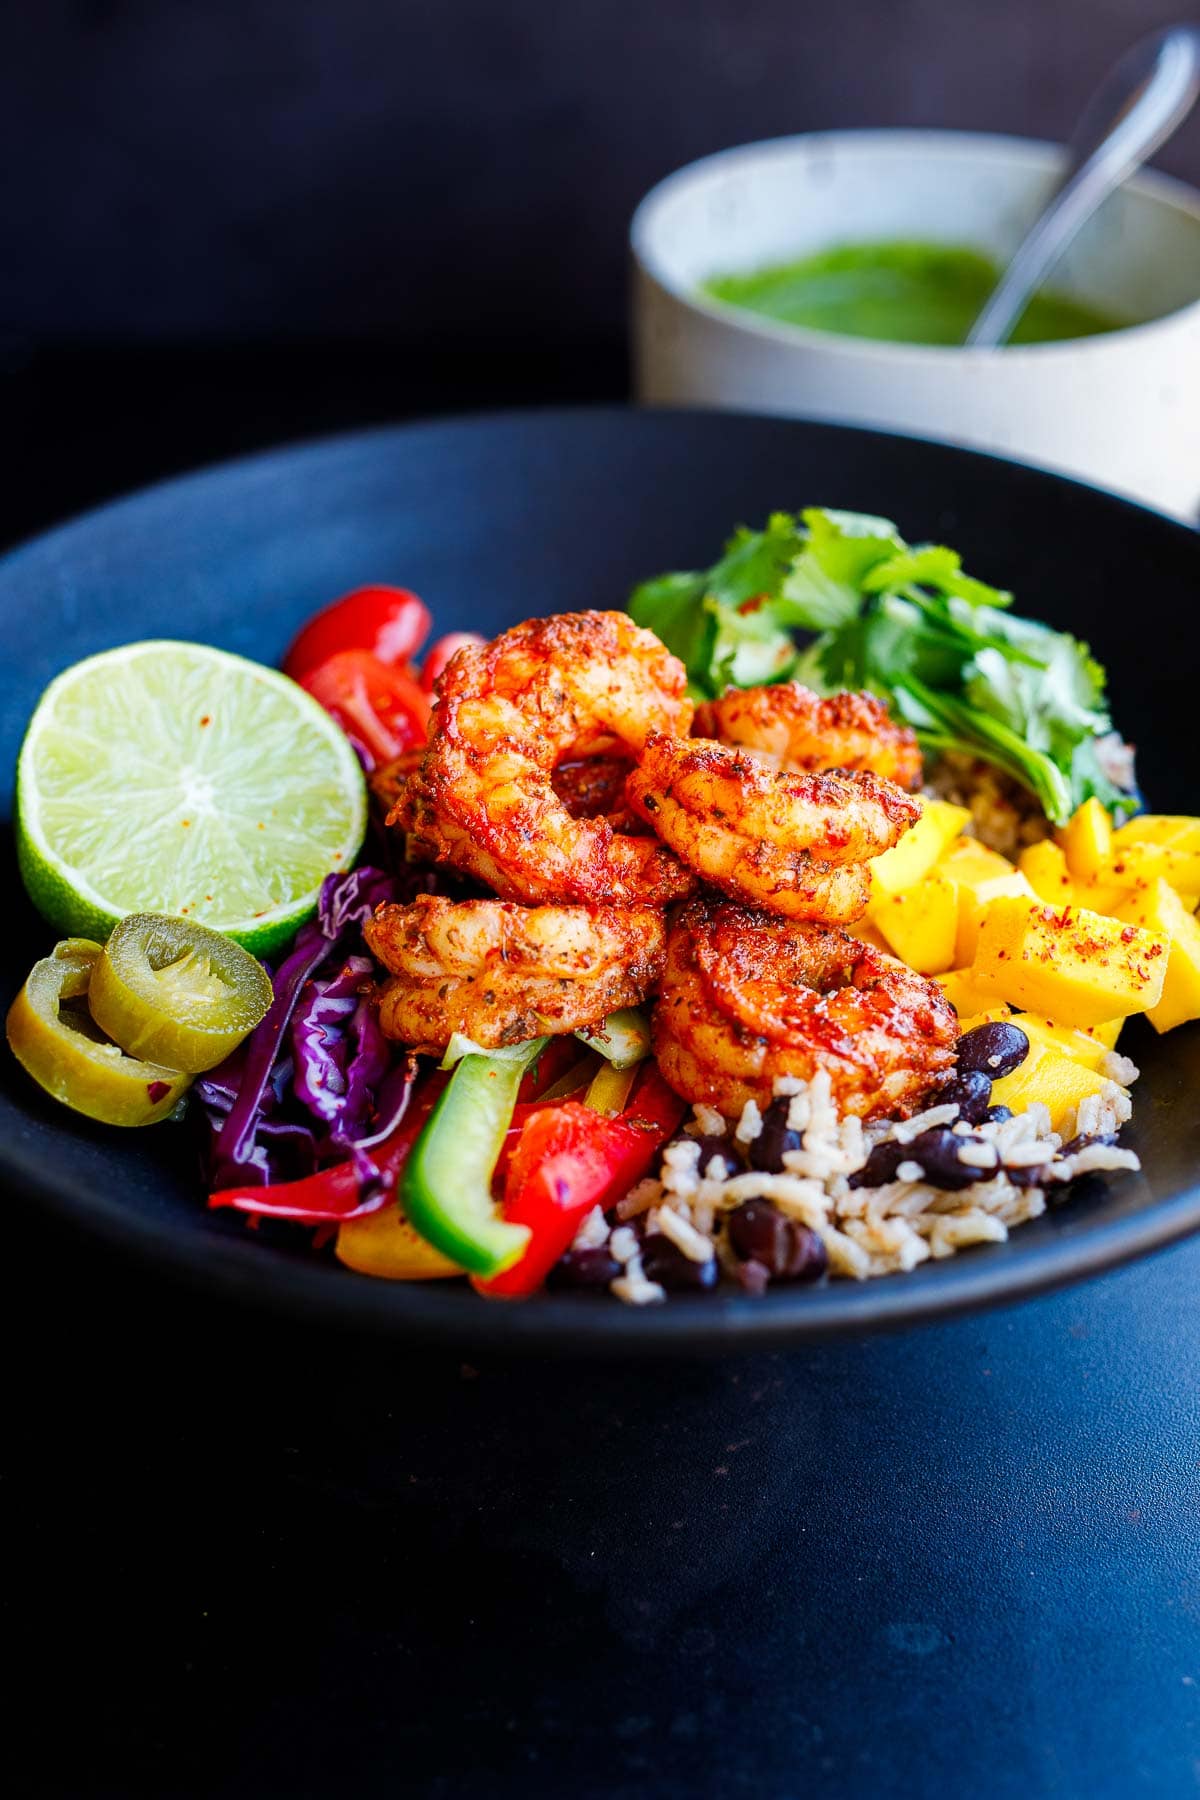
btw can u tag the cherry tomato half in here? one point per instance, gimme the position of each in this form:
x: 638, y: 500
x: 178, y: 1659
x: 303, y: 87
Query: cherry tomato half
x: 440, y: 652
x: 389, y: 622
x: 381, y: 710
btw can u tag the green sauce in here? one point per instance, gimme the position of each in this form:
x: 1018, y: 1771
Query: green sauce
x: 906, y: 293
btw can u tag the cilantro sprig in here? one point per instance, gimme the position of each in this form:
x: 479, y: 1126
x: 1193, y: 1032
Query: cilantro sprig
x: 945, y: 650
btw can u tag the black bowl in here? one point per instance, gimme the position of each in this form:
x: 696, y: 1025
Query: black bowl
x: 493, y: 520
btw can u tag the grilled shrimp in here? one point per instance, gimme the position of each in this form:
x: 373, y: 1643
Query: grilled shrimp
x: 747, y: 998
x: 793, y: 844
x: 503, y: 974
x: 508, y: 714
x: 797, y: 729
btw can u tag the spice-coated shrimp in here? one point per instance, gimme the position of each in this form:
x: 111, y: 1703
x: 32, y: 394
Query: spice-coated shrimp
x: 508, y: 714
x: 794, y: 844
x: 502, y: 973
x: 746, y: 998
x: 797, y: 729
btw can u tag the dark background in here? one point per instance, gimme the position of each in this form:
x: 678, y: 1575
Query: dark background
x: 362, y: 209
x: 241, y: 1560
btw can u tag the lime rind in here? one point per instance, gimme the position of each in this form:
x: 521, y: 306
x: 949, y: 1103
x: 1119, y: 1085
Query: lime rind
x: 176, y: 778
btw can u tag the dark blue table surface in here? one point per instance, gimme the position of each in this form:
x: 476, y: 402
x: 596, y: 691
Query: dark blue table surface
x: 246, y: 1559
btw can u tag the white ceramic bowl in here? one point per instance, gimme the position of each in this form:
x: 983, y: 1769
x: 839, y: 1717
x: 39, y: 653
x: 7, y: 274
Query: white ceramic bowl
x: 1122, y: 409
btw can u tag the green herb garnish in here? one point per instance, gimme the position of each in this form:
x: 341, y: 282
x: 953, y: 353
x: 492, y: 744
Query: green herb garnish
x: 944, y: 650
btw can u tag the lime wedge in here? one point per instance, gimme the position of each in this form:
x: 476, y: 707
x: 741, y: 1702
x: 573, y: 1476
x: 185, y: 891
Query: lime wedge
x: 174, y: 778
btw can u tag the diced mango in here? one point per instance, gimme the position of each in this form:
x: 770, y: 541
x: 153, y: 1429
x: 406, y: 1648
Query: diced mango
x: 921, y: 924
x: 1108, y: 1033
x: 1136, y: 865
x: 1087, y: 839
x: 1179, y: 831
x: 1076, y: 968
x: 1159, y: 909
x: 911, y: 859
x: 999, y: 1009
x: 1044, y: 866
x: 965, y: 994
x: 973, y: 903
x: 966, y: 859
x: 1083, y: 1047
x: 866, y: 932
x: 1059, y: 1082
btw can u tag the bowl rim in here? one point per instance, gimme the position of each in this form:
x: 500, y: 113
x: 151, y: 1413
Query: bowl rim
x: 938, y: 144
x: 561, y: 1324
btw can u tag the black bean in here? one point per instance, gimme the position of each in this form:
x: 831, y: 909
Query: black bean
x: 971, y: 1092
x: 997, y: 1048
x: 752, y: 1277
x: 665, y: 1263
x: 995, y: 1115
x: 1024, y: 1175
x: 719, y: 1146
x: 584, y: 1268
x: 936, y: 1153
x: 766, y: 1151
x: 788, y: 1250
x: 881, y: 1165
x: 1077, y: 1144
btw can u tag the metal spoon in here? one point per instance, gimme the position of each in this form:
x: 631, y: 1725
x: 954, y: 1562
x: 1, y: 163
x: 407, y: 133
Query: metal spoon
x: 1134, y: 111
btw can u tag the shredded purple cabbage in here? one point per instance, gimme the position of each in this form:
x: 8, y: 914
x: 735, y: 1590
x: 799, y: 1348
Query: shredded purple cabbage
x: 319, y: 1045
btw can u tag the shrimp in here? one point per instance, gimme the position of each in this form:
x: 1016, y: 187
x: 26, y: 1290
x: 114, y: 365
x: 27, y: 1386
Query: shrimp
x: 793, y: 844
x: 797, y: 729
x: 747, y: 998
x: 502, y: 973
x: 548, y: 692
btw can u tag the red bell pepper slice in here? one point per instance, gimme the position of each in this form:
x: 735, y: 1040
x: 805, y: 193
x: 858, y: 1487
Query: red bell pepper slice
x: 389, y: 622
x: 335, y: 1193
x: 569, y: 1159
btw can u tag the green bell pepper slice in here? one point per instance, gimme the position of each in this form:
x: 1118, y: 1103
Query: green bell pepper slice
x: 445, y: 1186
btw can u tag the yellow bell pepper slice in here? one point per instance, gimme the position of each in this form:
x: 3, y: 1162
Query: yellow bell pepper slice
x: 383, y: 1243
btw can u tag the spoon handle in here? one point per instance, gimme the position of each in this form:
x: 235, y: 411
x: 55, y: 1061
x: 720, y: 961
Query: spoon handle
x: 1145, y: 97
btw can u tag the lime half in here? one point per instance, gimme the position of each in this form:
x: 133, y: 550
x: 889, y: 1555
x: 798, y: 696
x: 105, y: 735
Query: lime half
x: 173, y: 778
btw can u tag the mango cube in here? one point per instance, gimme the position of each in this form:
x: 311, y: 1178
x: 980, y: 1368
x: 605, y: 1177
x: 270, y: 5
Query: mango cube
x: 966, y: 859
x: 1138, y: 865
x: 1076, y: 968
x: 965, y: 994
x: 1179, y: 831
x: 1087, y: 840
x: 999, y: 1009
x: 1083, y: 1047
x: 1044, y: 866
x: 1159, y: 909
x: 913, y: 857
x: 973, y: 903
x: 1058, y: 1081
x: 921, y: 924
x: 867, y: 934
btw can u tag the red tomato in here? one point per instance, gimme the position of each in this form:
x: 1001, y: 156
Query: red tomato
x: 440, y: 652
x: 381, y: 709
x: 389, y: 622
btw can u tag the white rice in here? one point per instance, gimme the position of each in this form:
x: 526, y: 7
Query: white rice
x: 866, y: 1231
